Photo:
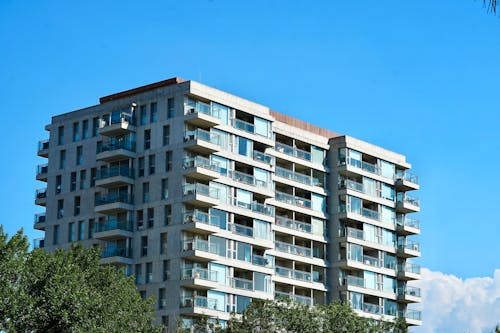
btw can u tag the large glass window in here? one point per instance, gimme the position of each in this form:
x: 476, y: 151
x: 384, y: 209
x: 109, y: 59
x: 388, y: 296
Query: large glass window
x: 317, y: 155
x: 244, y: 252
x: 388, y: 237
x: 220, y: 244
x: 262, y: 127
x: 389, y: 284
x: 245, y: 147
x: 318, y: 202
x: 218, y: 217
x: 242, y: 303
x: 262, y: 229
x: 355, y: 158
x: 261, y: 176
x: 262, y: 282
x: 220, y: 272
x: 387, y: 192
x: 388, y: 215
x: 390, y: 307
x: 244, y: 197
x: 356, y: 252
x: 221, y: 112
x: 370, y: 280
x: 387, y: 169
x: 357, y: 301
x: 222, y: 190
x: 216, y: 300
x: 355, y: 204
x: 370, y: 233
x: 369, y: 186
x: 318, y: 226
x: 221, y: 162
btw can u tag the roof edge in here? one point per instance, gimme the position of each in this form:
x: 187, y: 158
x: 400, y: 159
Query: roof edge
x: 303, y: 125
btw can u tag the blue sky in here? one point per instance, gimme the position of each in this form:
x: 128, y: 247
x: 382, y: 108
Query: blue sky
x: 417, y: 77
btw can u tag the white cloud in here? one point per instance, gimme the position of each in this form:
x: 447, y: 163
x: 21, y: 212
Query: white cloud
x: 454, y: 305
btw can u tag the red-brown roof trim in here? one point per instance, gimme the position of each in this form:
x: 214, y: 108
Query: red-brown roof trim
x: 138, y: 90
x: 303, y: 125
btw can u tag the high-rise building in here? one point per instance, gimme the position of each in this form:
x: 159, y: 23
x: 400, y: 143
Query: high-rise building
x: 211, y: 200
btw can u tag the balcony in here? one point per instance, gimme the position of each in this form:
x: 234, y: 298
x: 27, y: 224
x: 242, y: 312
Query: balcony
x: 116, y: 255
x: 294, y: 274
x: 406, y: 181
x: 293, y: 249
x: 361, y: 165
x: 201, y: 222
x: 293, y: 200
x: 39, y: 222
x: 412, y: 317
x: 114, y: 229
x: 408, y: 271
x: 298, y: 177
x: 359, y: 282
x: 240, y: 283
x: 408, y: 248
x: 114, y: 177
x: 202, y: 141
x: 199, y: 249
x: 201, y: 114
x: 42, y: 171
x: 406, y: 203
x: 285, y: 222
x: 250, y: 180
x: 201, y: 168
x: 292, y: 151
x: 117, y: 124
x: 201, y: 195
x: 114, y: 203
x: 296, y: 298
x: 409, y: 294
x: 116, y: 150
x: 354, y: 214
x: 407, y: 226
x: 255, y: 207
x: 41, y: 197
x: 38, y: 243
x: 367, y: 260
x: 200, y: 302
x: 199, y: 278
x: 262, y: 157
x: 43, y: 148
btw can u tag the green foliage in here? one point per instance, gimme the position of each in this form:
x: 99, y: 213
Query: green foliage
x: 66, y: 291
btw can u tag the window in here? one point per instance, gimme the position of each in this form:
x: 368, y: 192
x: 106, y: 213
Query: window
x: 166, y: 270
x: 83, y: 179
x: 162, y: 304
x: 72, y: 184
x: 166, y: 135
x: 60, y: 135
x: 167, y: 214
x: 144, y: 246
x: 55, y: 234
x: 76, y: 131
x: 147, y: 139
x: 142, y: 293
x: 151, y: 217
x: 79, y: 155
x: 62, y: 159
x: 163, y: 243
x: 58, y: 184
x: 141, y: 167
x: 153, y: 115
x: 152, y: 162
x: 140, y: 220
x: 145, y: 192
x: 168, y: 161
x: 95, y: 126
x: 149, y: 272
x: 60, y: 208
x: 244, y: 146
x: 170, y: 108
x: 91, y: 228
x: 164, y: 188
x: 76, y: 210
x: 138, y: 274
x: 142, y: 114
x: 85, y: 129
x: 262, y: 127
x: 71, y: 232
x: 93, y: 172
x: 81, y: 230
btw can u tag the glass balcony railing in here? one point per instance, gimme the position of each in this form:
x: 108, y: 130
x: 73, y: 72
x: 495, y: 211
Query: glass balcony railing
x: 40, y: 218
x: 114, y: 224
x: 199, y: 301
x: 298, y: 177
x: 244, y: 126
x: 42, y: 169
x: 197, y: 106
x: 293, y: 200
x: 410, y: 314
x: 41, y: 193
x: 240, y: 229
x: 402, y: 197
x: 372, y: 308
x: 113, y: 198
x: 408, y: 176
x: 112, y: 251
x: 292, y: 151
x: 43, y: 145
x: 408, y: 222
x: 126, y: 144
x: 297, y: 298
x: 293, y: 274
x: 254, y: 206
x: 200, y: 134
x: 365, y: 212
x: 409, y: 268
x: 39, y: 243
x: 292, y: 224
x: 262, y: 157
x: 202, y: 162
x: 293, y: 249
x: 410, y: 291
x: 409, y: 245
x: 201, y: 189
x: 371, y: 168
x: 202, y: 217
x: 117, y: 117
x: 199, y: 273
x: 367, y: 260
x: 261, y: 261
x: 115, y: 171
x: 201, y: 245
x: 247, y: 179
x: 240, y: 283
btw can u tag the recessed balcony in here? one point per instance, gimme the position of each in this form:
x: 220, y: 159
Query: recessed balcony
x: 201, y: 168
x: 114, y: 177
x: 297, y: 177
x: 409, y: 294
x: 116, y: 150
x: 266, y: 187
x: 43, y: 148
x: 202, y: 141
x: 116, y: 124
x: 42, y: 171
x: 114, y: 229
x: 262, y: 157
x: 201, y: 195
x: 41, y: 197
x: 114, y: 203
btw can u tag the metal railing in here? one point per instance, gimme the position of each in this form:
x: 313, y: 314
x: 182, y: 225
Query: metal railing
x: 244, y: 125
x: 117, y: 117
x: 240, y: 283
x: 410, y: 291
x: 407, y: 222
x: 409, y: 245
x: 292, y: 224
x: 402, y: 197
x: 41, y: 193
x: 297, y: 298
x: 197, y: 106
x: 40, y: 217
x: 293, y: 274
x: 202, y: 217
x: 39, y: 243
x: 42, y: 169
x: 240, y: 229
x: 298, y: 177
x: 408, y: 176
x: 199, y: 301
x: 410, y: 314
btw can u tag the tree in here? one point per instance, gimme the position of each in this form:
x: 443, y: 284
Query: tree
x: 66, y: 291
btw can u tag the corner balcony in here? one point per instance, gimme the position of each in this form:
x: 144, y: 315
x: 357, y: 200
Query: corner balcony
x: 409, y: 295
x: 408, y: 249
x: 407, y: 226
x: 201, y: 168
x: 41, y: 197
x: 38, y: 243
x: 119, y: 256
x: 202, y: 141
x: 201, y: 222
x: 412, y: 317
x: 117, y: 124
x: 114, y: 229
x: 115, y: 151
x: 43, y: 148
x: 200, y: 250
x: 408, y: 271
x: 200, y: 195
x: 406, y: 203
x: 407, y: 182
x: 114, y: 177
x: 199, y: 278
x: 40, y: 220
x: 113, y: 204
x: 42, y: 171
x: 201, y: 114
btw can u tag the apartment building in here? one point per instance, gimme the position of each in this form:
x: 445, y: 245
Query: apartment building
x: 211, y: 200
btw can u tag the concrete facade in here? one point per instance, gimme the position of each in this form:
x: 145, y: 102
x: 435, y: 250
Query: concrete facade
x: 211, y: 200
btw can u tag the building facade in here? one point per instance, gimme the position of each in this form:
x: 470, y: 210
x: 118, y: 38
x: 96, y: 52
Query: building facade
x: 211, y: 200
